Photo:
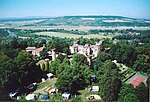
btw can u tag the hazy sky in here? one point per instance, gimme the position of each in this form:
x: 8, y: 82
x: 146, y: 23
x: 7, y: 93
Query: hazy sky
x: 25, y: 8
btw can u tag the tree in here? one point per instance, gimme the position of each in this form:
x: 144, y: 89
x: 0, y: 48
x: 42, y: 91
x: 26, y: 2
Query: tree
x: 7, y: 70
x: 142, y: 63
x: 47, y: 65
x: 131, y: 97
x: 26, y: 68
x: 43, y: 67
x: 54, y: 66
x: 109, y: 82
x: 123, y: 53
x: 79, y: 59
x: 73, y: 77
x: 44, y: 54
x: 127, y: 90
x: 143, y: 92
x: 100, y: 59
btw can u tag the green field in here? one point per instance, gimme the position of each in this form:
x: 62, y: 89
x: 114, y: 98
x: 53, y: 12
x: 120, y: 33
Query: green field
x: 66, y: 35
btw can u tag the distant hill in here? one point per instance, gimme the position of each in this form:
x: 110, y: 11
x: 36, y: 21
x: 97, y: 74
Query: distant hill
x: 108, y: 21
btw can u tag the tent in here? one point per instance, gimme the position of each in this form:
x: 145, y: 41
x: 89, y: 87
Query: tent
x: 49, y: 75
x: 66, y: 95
x: 12, y: 94
x: 53, y: 91
x: 44, y: 97
x: 30, y: 97
x: 95, y: 88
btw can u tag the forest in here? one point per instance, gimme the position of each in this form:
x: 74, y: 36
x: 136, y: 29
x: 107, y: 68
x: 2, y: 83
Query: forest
x: 18, y: 68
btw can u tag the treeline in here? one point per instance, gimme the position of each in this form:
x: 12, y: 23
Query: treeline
x: 112, y: 88
x: 3, y: 33
x: 125, y: 31
x: 135, y: 56
x: 141, y: 37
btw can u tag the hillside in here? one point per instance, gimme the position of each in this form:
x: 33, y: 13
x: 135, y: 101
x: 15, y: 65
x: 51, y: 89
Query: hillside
x: 93, y: 21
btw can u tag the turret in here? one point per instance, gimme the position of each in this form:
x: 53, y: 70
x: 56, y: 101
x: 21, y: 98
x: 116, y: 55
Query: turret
x: 53, y: 54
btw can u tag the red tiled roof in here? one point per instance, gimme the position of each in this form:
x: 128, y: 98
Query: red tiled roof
x: 40, y: 49
x: 137, y: 80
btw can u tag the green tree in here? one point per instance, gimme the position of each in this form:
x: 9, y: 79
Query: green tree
x: 127, y: 90
x: 100, y: 59
x: 72, y: 79
x: 109, y: 82
x: 143, y: 92
x: 26, y: 68
x: 130, y: 97
x: 75, y: 76
x: 79, y: 59
x: 142, y: 63
x: 43, y: 67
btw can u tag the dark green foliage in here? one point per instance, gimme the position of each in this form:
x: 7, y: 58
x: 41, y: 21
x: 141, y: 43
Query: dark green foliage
x: 79, y: 59
x: 100, y: 59
x: 70, y: 78
x: 3, y: 33
x: 123, y: 53
x: 60, y: 45
x: 130, y: 97
x: 128, y: 93
x: 18, y: 72
x: 142, y: 63
x: 109, y: 82
x: 143, y: 36
x: 142, y: 92
x: 43, y: 53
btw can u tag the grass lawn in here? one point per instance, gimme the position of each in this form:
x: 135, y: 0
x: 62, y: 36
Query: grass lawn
x: 47, y: 83
x: 83, y: 94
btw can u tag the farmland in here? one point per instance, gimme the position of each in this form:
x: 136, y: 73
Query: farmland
x: 65, y: 35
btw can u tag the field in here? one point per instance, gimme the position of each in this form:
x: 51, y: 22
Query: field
x: 80, y: 28
x: 66, y: 35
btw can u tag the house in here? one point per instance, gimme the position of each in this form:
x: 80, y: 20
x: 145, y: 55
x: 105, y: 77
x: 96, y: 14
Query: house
x: 35, y: 51
x: 66, y: 95
x: 94, y: 88
x: 30, y: 49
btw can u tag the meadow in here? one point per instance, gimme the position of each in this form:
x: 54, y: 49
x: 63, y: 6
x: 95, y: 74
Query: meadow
x: 66, y: 35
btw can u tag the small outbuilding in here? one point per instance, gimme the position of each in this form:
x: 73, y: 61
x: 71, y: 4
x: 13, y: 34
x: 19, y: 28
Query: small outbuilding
x: 95, y: 88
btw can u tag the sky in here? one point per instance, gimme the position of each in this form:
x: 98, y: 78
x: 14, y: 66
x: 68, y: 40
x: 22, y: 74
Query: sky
x: 52, y: 8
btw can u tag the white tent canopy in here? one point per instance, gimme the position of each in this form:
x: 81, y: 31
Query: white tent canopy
x: 66, y: 95
x: 30, y: 97
x: 95, y: 88
x: 49, y: 75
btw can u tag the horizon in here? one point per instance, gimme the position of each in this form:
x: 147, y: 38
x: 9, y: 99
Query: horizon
x: 59, y: 8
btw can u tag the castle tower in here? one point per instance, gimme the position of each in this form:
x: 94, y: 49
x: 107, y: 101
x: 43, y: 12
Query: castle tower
x: 89, y: 59
x: 53, y: 54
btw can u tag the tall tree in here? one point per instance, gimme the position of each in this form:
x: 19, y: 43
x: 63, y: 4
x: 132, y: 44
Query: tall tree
x: 127, y: 90
x: 143, y: 92
x: 109, y: 82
